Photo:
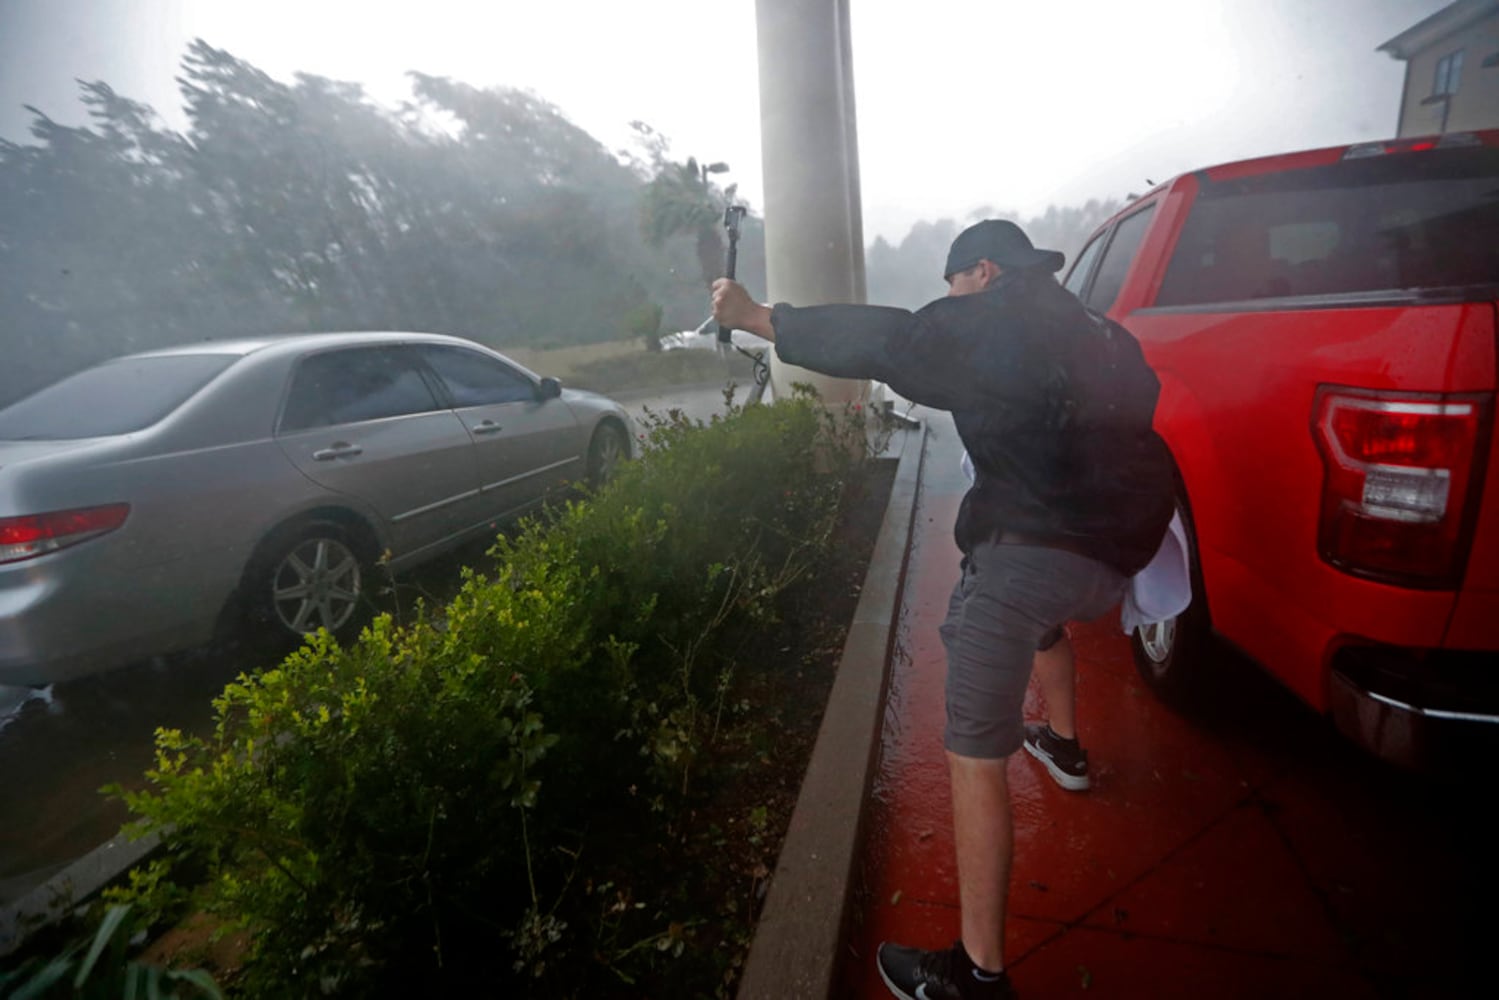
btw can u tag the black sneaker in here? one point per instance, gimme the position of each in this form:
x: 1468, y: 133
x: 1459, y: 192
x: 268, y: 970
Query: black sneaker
x: 913, y: 974
x: 1064, y: 759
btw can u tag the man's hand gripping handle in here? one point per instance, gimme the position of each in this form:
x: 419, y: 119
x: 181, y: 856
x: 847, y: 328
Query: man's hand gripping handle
x: 731, y: 216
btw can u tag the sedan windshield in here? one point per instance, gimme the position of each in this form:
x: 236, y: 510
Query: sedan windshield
x: 115, y: 398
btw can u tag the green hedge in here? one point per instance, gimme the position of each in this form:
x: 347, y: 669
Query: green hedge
x: 478, y: 799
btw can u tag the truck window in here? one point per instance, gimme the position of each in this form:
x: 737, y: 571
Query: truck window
x: 1084, y: 263
x: 1117, y: 259
x: 1388, y: 223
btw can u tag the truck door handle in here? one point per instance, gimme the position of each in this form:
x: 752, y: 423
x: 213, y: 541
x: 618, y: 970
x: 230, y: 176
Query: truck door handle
x: 487, y: 427
x: 339, y: 449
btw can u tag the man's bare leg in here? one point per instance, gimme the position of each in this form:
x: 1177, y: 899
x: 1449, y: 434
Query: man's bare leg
x: 985, y: 842
x: 1056, y: 672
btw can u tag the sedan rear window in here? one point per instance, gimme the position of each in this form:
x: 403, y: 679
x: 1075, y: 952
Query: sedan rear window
x: 117, y: 397
x: 1398, y: 222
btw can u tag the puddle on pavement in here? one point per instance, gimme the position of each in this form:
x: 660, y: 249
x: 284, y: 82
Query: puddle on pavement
x: 14, y: 701
x: 60, y: 745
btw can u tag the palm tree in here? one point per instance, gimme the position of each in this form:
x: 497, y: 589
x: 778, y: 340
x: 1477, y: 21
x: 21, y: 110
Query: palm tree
x: 680, y: 200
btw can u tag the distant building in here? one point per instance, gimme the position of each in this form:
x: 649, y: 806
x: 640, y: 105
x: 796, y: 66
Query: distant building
x: 1451, y: 69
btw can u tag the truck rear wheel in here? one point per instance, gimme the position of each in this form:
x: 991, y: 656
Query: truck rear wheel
x: 1171, y: 655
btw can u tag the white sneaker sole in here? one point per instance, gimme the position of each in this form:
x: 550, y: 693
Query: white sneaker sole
x: 1071, y: 782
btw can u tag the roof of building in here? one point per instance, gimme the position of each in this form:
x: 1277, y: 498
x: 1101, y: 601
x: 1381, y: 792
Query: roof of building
x: 1451, y: 18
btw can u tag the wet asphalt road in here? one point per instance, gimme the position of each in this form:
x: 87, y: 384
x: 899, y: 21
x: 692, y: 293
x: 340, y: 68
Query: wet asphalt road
x: 58, y: 747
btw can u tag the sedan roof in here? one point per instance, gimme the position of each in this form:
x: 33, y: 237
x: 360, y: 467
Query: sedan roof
x: 296, y: 342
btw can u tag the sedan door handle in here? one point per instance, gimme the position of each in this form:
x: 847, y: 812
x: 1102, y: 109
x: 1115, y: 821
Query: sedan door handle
x: 339, y: 449
x: 487, y: 427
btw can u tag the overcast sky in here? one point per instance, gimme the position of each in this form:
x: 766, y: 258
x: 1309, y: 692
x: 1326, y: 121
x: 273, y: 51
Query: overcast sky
x: 961, y: 103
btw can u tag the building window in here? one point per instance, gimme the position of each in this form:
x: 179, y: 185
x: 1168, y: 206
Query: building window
x: 1449, y: 69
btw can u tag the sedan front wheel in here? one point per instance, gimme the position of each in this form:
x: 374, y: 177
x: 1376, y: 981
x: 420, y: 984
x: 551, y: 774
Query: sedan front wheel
x: 605, y: 452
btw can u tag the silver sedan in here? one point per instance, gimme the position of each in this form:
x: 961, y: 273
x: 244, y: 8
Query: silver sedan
x: 151, y: 501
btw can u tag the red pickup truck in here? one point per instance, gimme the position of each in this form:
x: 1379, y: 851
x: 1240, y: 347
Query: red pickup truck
x: 1323, y: 324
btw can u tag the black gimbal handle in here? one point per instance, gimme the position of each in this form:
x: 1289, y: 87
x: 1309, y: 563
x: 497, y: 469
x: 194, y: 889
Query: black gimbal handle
x: 731, y: 216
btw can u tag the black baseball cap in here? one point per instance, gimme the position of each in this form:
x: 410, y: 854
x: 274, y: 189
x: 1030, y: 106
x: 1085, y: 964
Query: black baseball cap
x: 1001, y: 241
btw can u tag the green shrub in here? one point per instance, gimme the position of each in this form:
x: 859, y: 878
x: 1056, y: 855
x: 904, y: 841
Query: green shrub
x: 484, y: 797
x: 99, y: 966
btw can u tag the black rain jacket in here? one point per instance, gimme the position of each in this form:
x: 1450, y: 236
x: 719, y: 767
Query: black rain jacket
x: 1053, y: 402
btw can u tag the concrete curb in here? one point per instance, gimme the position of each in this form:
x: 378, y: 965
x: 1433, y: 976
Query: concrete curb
x: 798, y: 941
x: 75, y: 885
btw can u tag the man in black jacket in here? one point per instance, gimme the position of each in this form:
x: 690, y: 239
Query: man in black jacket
x: 1071, y: 496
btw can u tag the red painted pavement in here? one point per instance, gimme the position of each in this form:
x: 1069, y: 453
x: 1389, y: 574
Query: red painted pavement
x: 1242, y: 849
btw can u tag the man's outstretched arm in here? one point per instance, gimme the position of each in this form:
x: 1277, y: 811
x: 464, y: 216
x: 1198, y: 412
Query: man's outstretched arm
x: 916, y: 354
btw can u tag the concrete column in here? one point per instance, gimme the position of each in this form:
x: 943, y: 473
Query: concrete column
x: 814, y: 231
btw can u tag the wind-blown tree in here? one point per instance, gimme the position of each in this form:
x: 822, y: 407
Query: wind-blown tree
x: 543, y: 223
x: 680, y: 205
x: 680, y: 200
x: 297, y: 182
x: 92, y: 228
x: 303, y: 205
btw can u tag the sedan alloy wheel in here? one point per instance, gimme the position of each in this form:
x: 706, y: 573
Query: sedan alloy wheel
x: 604, y: 454
x: 318, y: 584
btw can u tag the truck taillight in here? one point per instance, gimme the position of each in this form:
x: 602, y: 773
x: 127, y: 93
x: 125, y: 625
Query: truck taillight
x: 1403, y: 477
x: 35, y: 535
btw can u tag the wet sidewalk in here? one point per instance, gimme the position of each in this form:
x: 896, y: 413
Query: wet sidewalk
x: 1240, y: 850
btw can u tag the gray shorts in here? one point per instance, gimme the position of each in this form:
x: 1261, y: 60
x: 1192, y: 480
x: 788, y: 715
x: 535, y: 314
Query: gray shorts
x: 1011, y: 601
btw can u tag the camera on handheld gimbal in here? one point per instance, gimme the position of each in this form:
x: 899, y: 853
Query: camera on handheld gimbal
x: 731, y: 215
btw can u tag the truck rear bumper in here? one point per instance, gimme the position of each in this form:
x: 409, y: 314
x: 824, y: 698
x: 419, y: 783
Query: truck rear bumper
x: 1422, y: 710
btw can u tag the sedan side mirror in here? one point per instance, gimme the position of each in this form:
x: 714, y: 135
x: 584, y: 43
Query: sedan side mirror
x: 549, y: 388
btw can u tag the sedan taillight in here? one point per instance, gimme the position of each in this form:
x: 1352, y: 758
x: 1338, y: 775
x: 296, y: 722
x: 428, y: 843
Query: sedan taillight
x: 33, y: 535
x: 1404, y: 473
